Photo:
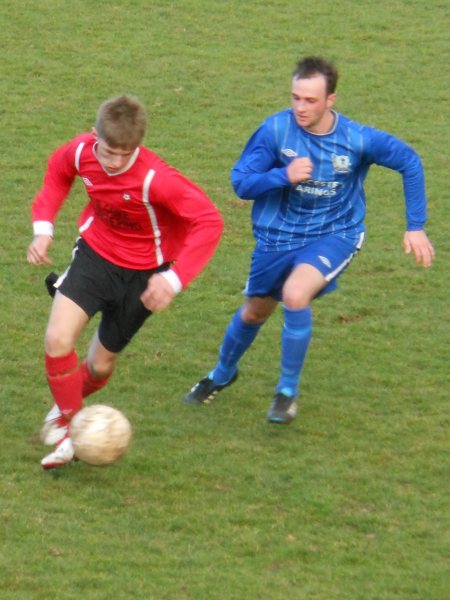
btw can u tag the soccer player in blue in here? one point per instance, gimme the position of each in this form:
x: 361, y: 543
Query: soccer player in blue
x: 304, y: 168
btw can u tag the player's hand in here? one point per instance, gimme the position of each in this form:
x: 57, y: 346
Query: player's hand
x: 158, y: 294
x: 299, y: 169
x: 38, y: 250
x: 418, y: 243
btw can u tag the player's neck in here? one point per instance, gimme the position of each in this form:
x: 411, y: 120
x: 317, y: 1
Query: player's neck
x: 325, y: 125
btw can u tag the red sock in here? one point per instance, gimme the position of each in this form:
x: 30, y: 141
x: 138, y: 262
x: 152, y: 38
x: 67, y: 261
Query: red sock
x: 65, y: 380
x: 90, y: 384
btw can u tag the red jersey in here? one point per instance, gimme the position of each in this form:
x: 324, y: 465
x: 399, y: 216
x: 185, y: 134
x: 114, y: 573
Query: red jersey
x: 139, y: 218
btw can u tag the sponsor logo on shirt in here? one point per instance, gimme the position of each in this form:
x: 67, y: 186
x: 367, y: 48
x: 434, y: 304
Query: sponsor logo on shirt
x: 318, y: 188
x: 116, y: 218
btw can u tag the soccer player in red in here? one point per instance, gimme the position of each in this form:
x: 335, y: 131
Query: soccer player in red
x: 145, y: 233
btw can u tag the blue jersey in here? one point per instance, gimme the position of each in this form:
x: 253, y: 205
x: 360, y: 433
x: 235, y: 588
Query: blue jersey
x: 287, y: 216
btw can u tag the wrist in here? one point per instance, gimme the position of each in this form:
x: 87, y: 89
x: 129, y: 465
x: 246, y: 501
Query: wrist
x: 43, y: 228
x: 173, y: 279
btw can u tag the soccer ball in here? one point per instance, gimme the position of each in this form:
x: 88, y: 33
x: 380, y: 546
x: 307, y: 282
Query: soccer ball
x: 100, y: 434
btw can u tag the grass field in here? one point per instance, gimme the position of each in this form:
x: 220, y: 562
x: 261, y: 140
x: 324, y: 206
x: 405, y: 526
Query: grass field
x: 351, y: 501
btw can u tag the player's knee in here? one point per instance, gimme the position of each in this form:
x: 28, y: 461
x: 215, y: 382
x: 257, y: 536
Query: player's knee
x: 254, y: 319
x: 252, y: 316
x: 57, y: 342
x: 256, y: 311
x: 295, y: 299
x: 102, y: 368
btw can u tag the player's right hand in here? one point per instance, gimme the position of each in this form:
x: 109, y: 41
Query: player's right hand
x: 158, y: 294
x: 38, y: 250
x: 299, y: 169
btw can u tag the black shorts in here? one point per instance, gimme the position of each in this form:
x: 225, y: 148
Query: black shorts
x: 97, y: 285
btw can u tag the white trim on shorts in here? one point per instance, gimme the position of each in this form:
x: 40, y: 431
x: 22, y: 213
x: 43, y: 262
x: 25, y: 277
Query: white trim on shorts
x: 346, y: 262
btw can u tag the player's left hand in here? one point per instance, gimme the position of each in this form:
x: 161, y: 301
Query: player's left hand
x: 158, y: 294
x: 418, y: 243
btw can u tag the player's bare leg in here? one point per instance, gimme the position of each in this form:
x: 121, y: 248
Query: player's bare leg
x: 300, y: 288
x: 96, y: 370
x: 98, y: 367
x: 93, y: 374
x: 64, y: 376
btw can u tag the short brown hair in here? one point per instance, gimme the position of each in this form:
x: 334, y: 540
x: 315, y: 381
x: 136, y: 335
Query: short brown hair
x: 310, y: 66
x: 121, y: 122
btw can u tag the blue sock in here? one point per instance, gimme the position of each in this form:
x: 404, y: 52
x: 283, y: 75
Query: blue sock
x: 295, y: 338
x: 238, y: 337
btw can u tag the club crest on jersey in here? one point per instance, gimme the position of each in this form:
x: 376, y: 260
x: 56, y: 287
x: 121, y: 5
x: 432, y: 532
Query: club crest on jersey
x: 126, y: 197
x: 341, y: 164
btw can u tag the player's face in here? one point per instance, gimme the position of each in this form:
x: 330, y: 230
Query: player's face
x: 311, y: 104
x: 113, y: 160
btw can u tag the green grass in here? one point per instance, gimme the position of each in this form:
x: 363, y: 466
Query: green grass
x: 351, y: 501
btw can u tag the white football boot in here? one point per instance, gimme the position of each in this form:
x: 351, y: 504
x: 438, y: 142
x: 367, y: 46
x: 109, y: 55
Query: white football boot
x: 61, y: 455
x: 54, y: 429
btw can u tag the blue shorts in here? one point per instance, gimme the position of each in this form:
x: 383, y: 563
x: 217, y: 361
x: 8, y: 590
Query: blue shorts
x: 269, y: 270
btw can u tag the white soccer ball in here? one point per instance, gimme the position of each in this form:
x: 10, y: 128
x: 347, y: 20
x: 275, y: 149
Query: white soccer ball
x: 100, y: 434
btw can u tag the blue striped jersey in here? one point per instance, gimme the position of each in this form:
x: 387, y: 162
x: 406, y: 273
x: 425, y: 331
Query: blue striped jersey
x: 332, y: 202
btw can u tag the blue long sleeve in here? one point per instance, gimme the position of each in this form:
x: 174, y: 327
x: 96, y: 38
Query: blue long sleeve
x: 258, y: 171
x: 388, y: 151
x: 332, y: 201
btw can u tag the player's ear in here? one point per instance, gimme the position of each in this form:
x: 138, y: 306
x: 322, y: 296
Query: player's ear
x: 331, y: 99
x: 94, y: 131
